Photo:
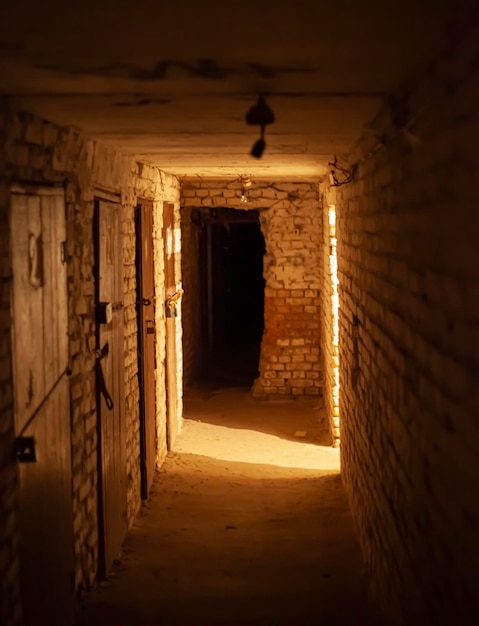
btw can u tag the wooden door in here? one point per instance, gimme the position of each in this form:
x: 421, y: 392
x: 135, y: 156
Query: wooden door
x: 146, y: 335
x: 169, y: 246
x: 110, y: 371
x: 42, y: 405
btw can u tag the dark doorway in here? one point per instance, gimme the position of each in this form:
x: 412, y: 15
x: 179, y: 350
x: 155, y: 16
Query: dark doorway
x: 232, y: 295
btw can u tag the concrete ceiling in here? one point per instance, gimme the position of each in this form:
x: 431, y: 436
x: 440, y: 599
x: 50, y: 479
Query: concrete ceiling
x: 170, y: 82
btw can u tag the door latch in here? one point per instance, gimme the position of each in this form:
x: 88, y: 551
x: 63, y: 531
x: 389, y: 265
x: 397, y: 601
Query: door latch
x: 150, y: 327
x: 25, y: 450
x: 104, y: 312
x: 99, y: 355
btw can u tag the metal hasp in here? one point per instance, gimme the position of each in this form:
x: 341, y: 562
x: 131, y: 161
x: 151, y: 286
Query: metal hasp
x: 104, y: 312
x: 25, y: 450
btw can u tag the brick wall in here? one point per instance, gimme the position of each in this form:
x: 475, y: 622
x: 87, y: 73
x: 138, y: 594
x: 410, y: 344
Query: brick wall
x: 37, y: 151
x: 290, y: 219
x: 329, y: 311
x: 178, y: 320
x: 408, y: 232
x: 169, y: 188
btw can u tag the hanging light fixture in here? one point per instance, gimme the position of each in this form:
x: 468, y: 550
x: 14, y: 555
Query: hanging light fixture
x: 245, y: 182
x: 260, y: 115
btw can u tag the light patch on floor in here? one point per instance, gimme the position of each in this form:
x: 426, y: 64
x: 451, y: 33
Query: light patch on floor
x: 245, y: 525
x: 249, y: 446
x: 227, y: 424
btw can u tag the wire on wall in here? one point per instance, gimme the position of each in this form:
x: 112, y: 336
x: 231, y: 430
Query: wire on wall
x: 341, y: 175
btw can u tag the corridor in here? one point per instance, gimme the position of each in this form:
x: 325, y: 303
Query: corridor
x: 247, y: 523
x: 279, y: 198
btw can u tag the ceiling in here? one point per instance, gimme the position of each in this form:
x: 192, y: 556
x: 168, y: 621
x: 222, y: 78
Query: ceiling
x: 170, y: 82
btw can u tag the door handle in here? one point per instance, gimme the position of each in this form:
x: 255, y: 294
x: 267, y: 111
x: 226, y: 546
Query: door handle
x: 102, y: 385
x: 99, y: 355
x: 102, y: 352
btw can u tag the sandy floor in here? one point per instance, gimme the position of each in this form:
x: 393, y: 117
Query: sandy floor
x: 247, y: 524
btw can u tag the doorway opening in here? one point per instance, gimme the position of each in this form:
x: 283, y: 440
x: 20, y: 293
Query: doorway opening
x: 231, y: 250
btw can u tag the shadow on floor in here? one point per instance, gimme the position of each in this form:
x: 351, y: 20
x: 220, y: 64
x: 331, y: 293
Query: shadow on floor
x: 302, y: 420
x: 243, y: 527
x: 234, y: 544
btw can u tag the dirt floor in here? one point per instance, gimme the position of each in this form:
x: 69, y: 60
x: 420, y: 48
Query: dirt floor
x: 247, y: 524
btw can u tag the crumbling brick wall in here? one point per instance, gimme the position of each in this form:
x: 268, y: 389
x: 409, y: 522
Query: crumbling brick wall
x: 37, y: 151
x: 408, y: 229
x: 290, y: 215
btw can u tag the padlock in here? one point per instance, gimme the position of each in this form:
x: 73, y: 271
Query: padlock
x: 171, y: 309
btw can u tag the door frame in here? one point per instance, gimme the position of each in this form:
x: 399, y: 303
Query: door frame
x: 148, y: 452
x: 172, y: 300
x: 105, y: 558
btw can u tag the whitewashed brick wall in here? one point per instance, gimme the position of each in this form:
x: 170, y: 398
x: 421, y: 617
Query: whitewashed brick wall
x: 329, y: 336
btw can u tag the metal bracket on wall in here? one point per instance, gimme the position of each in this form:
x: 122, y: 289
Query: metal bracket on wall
x: 25, y: 451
